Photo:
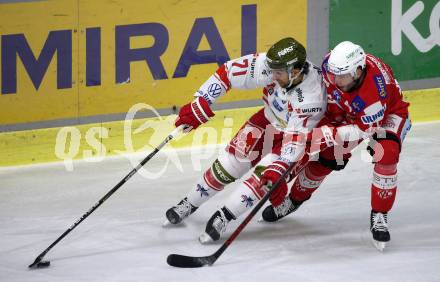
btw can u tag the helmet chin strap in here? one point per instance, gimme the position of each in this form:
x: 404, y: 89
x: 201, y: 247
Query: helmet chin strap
x: 291, y: 79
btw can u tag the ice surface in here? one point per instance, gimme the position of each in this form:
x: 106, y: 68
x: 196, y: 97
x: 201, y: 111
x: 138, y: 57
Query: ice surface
x: 327, y: 239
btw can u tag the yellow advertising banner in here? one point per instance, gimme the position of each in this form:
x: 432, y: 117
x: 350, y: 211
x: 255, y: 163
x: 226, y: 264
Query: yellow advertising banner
x: 70, y: 59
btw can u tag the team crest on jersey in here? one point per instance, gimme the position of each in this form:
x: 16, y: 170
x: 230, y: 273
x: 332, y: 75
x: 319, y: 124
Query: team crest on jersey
x: 380, y: 86
x: 214, y: 90
x: 337, y: 95
x: 202, y: 190
x: 248, y: 201
x: 269, y: 90
x: 358, y: 104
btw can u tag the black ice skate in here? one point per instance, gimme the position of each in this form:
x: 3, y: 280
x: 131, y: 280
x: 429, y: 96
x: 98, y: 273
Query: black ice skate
x: 177, y: 213
x: 379, y: 229
x: 272, y: 214
x: 216, y: 225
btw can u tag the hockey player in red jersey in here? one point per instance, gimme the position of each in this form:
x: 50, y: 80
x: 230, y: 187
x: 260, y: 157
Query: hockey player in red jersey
x: 364, y: 101
x: 294, y: 101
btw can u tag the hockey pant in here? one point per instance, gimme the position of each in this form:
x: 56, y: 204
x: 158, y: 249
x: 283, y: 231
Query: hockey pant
x: 257, y: 142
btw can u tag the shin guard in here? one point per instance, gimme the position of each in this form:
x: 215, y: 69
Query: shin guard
x: 308, y: 181
x: 384, y: 186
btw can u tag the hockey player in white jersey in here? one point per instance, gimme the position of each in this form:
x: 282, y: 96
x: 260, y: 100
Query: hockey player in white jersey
x: 294, y: 103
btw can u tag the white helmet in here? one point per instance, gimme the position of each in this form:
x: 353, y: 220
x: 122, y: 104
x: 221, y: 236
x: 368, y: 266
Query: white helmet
x: 345, y: 58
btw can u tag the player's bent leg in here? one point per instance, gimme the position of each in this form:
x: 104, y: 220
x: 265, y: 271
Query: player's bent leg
x: 307, y: 181
x: 383, y: 191
x: 225, y: 170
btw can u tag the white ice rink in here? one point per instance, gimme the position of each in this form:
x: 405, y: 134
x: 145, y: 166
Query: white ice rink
x: 327, y: 239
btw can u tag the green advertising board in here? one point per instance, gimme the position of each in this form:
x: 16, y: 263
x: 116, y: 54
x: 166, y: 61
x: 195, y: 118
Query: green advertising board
x: 403, y: 33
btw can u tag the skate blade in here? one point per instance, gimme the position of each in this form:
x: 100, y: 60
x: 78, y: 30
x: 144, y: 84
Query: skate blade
x: 205, y: 239
x: 166, y: 223
x: 380, y: 246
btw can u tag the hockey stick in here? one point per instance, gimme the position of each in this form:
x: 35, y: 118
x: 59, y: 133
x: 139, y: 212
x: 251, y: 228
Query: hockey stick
x: 192, y: 262
x: 38, y: 263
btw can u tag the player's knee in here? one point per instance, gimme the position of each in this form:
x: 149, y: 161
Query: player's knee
x: 318, y: 169
x: 390, y: 152
x: 234, y: 166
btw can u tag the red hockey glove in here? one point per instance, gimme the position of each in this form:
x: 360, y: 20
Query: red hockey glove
x: 194, y: 114
x: 270, y: 176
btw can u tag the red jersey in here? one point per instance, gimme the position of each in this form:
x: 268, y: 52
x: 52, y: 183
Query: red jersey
x: 367, y: 106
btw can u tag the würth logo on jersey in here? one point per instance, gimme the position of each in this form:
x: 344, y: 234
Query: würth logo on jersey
x: 311, y: 110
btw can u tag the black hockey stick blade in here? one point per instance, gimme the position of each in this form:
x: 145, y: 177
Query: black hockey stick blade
x: 39, y: 263
x: 190, y: 262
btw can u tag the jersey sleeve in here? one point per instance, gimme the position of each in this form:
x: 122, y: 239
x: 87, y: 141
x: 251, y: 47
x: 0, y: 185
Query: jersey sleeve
x: 247, y: 72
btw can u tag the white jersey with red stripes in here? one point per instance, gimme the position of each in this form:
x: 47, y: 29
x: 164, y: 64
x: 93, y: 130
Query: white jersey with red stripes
x: 298, y: 109
x: 295, y: 110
